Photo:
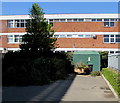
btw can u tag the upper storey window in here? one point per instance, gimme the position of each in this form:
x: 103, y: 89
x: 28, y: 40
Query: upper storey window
x: 17, y: 23
x: 20, y: 23
x: 109, y: 22
x: 10, y: 23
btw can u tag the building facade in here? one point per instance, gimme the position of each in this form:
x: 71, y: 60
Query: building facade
x: 75, y: 32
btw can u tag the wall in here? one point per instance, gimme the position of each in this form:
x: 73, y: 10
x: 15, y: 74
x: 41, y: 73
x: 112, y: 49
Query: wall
x: 113, y: 61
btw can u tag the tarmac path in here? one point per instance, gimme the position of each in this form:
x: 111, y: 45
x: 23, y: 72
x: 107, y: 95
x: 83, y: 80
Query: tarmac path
x: 74, y: 88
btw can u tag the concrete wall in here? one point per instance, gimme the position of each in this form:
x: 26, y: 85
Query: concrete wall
x: 114, y: 61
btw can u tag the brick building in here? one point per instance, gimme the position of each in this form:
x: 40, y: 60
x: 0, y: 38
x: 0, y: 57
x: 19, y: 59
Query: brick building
x: 75, y: 32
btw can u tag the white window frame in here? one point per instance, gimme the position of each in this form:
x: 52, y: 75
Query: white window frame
x: 13, y: 39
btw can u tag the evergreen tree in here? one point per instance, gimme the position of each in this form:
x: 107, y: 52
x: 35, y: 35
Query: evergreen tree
x: 39, y: 35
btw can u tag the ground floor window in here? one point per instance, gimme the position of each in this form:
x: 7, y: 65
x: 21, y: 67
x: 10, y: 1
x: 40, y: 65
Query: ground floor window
x: 14, y: 38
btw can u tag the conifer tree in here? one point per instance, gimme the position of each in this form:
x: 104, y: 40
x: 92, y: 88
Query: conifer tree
x: 39, y: 37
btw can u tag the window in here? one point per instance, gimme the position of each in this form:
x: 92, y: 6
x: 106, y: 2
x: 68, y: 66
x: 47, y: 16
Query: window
x: 17, y: 23
x: 93, y: 19
x: 10, y: 23
x: 14, y: 38
x: 20, y: 23
x: 118, y: 38
x: 69, y: 36
x: 75, y: 20
x: 56, y: 36
x: 62, y: 36
x: 62, y: 20
x: 111, y: 52
x: 117, y: 52
x: 99, y: 19
x: 106, y: 38
x: 109, y: 24
x: 50, y: 20
x: 10, y: 38
x: 80, y: 20
x: 80, y: 36
x: 69, y: 20
x: 106, y: 19
x: 87, y: 36
x: 87, y: 19
x: 56, y: 20
x: 112, y: 38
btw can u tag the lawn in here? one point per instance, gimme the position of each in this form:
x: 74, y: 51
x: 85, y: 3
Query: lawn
x: 113, y: 77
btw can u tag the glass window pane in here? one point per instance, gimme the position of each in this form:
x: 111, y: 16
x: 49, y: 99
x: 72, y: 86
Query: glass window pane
x: 106, y: 24
x: 87, y: 19
x: 10, y: 36
x: 10, y: 25
x: 80, y: 36
x: 117, y: 35
x: 117, y: 39
x: 111, y: 35
x: 22, y: 21
x: 16, y: 39
x: 62, y: 36
x: 62, y: 20
x: 106, y: 19
x: 10, y: 40
x: 111, y: 23
x: 111, y: 51
x: 51, y: 20
x: 56, y: 20
x: 10, y: 21
x: 106, y: 40
x: 93, y: 19
x: 16, y: 36
x: 112, y: 19
x: 87, y: 36
x: 22, y: 24
x: 69, y: 35
x: 56, y: 36
x: 111, y: 39
x: 16, y: 21
x: 18, y: 25
x: 75, y: 20
x: 69, y: 20
x: 99, y: 19
x: 80, y: 19
x: 106, y: 35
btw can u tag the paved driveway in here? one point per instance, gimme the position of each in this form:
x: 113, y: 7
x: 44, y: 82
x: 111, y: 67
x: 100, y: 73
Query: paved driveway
x: 80, y: 88
x: 87, y: 88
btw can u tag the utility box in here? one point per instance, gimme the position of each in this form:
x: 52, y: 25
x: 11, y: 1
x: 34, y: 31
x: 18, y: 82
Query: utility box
x: 90, y: 58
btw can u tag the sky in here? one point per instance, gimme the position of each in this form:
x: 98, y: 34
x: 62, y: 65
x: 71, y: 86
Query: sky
x: 23, y: 8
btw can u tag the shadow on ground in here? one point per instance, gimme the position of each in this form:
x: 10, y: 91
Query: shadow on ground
x: 31, y: 94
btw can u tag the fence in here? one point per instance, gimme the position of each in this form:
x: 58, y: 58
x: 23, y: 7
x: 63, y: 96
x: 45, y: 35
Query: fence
x: 114, y: 61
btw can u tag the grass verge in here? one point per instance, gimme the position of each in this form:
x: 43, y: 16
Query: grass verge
x: 113, y: 77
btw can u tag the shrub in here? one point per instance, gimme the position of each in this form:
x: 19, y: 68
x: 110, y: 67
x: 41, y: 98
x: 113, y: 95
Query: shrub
x: 95, y: 73
x: 20, y: 69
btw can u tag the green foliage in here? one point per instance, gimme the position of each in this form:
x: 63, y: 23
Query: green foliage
x: 38, y: 37
x: 19, y: 69
x: 113, y: 77
x: 95, y: 73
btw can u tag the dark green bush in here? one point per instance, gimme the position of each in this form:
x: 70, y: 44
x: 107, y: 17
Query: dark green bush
x: 22, y: 69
